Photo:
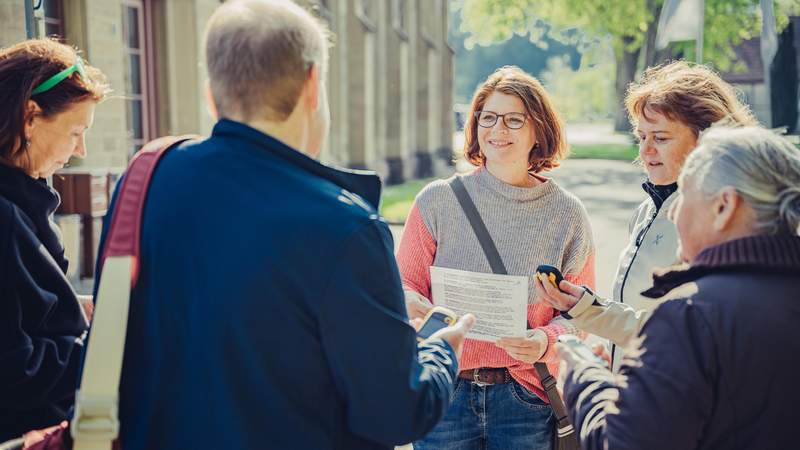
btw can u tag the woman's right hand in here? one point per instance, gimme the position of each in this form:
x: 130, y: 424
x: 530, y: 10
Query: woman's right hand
x: 563, y: 299
x: 417, y: 306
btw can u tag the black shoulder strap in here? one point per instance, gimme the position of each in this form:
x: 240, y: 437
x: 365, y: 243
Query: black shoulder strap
x: 484, y: 238
x: 564, y: 426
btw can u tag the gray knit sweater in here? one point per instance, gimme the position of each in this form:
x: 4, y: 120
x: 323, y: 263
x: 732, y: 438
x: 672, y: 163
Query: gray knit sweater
x: 530, y: 226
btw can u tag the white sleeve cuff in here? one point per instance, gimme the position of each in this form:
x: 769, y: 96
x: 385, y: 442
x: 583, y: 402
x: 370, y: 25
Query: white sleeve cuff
x: 587, y: 299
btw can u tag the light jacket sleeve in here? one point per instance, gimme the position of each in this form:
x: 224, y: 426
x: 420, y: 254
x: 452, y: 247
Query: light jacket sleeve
x: 395, y: 391
x: 663, y: 395
x: 608, y: 319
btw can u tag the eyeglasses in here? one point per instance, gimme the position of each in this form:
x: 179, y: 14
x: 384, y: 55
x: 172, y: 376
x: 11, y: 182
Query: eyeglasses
x: 51, y: 82
x: 513, y: 120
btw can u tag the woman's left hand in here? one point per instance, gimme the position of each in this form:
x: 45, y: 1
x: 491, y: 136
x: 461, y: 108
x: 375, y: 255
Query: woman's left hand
x: 527, y: 349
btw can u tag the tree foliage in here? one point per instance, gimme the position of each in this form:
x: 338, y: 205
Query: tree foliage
x: 584, y: 95
x: 627, y: 22
x: 475, y: 64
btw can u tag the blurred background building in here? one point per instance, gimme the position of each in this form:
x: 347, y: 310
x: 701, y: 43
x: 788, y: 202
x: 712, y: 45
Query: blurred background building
x: 390, y: 85
x: 390, y: 77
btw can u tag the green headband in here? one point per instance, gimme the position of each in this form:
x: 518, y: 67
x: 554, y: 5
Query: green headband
x: 61, y: 76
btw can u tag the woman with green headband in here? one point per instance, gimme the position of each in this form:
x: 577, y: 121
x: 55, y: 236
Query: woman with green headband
x: 48, y: 96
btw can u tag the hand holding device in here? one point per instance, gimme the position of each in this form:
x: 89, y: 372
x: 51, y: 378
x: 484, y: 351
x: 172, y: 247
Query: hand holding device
x: 548, y: 284
x: 449, y: 328
x: 579, y: 349
x: 437, y: 318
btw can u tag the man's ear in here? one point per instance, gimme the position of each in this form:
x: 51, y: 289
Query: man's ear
x: 210, y: 103
x: 725, y: 206
x: 311, y: 88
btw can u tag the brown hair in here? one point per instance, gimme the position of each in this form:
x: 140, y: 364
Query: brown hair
x: 259, y: 54
x: 25, y: 66
x: 691, y: 94
x: 551, y: 146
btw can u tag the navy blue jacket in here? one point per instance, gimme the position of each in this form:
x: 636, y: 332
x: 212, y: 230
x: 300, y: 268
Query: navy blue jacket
x: 41, y: 322
x: 269, y: 310
x: 719, y: 368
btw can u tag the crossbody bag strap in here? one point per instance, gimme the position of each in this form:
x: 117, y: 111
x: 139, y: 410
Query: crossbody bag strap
x: 95, y: 424
x: 474, y: 218
x: 496, y: 263
x: 563, y: 424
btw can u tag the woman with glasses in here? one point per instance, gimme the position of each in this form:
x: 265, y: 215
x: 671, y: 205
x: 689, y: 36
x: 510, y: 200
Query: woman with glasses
x: 513, y: 135
x: 48, y: 96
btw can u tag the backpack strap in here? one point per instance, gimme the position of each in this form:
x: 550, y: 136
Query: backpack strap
x: 95, y: 424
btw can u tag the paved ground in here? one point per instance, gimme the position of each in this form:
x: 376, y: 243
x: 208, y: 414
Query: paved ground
x: 611, y: 191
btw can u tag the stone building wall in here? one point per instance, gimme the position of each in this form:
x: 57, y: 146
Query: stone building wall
x: 390, y: 78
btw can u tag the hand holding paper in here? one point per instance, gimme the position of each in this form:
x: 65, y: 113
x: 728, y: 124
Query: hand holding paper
x: 527, y: 349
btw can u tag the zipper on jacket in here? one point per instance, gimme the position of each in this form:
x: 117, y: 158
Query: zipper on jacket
x: 638, y: 242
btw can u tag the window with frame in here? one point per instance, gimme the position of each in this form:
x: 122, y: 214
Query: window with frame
x: 140, y: 95
x: 54, y: 18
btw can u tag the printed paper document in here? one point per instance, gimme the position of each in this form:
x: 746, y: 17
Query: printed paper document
x: 499, y: 302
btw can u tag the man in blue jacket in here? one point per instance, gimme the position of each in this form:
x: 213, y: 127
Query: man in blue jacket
x: 269, y: 311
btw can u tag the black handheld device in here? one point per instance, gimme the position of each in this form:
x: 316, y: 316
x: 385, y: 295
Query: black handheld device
x: 552, y: 273
x: 437, y: 318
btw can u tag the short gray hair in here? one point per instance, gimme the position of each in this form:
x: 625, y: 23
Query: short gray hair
x: 763, y: 167
x: 259, y: 53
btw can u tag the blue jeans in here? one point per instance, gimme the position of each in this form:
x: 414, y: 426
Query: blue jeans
x: 492, y: 417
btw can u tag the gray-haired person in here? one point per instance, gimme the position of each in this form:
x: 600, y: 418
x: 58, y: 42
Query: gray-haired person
x: 717, y: 365
x: 269, y: 311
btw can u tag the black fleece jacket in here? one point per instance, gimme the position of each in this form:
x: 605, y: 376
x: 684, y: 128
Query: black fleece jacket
x: 42, y: 325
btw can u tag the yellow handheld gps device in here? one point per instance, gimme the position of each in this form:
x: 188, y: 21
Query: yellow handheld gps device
x: 553, y: 275
x: 437, y: 318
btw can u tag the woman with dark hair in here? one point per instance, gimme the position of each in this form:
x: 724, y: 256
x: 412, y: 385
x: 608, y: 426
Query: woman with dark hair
x: 513, y: 136
x: 48, y: 95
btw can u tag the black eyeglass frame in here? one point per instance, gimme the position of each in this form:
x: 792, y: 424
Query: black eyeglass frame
x: 498, y: 116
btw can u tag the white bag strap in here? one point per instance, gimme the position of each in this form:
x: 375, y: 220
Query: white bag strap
x: 95, y: 424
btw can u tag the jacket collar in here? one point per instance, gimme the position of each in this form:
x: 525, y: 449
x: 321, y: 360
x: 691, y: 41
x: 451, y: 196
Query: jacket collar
x: 659, y: 193
x: 364, y: 183
x: 34, y: 197
x: 763, y: 253
x: 38, y: 202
